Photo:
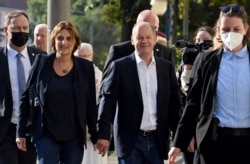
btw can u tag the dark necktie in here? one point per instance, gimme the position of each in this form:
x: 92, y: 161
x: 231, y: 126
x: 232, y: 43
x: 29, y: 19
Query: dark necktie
x: 20, y: 75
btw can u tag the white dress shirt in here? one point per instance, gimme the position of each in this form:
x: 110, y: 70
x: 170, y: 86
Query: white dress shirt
x: 12, y: 62
x: 148, y: 83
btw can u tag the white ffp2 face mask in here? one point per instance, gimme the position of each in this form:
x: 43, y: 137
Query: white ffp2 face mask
x: 232, y: 39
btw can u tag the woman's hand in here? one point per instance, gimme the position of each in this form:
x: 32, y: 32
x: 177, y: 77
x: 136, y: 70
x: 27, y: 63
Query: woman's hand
x: 21, y: 144
x: 172, y: 154
x: 102, y: 146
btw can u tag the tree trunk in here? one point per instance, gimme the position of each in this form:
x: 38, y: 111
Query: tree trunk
x: 131, y: 8
x: 174, y: 16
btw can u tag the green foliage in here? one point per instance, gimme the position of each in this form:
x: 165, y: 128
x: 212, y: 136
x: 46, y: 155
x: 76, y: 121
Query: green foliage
x: 100, y: 34
x: 37, y: 10
x: 178, y: 57
x: 112, y: 12
x: 105, y: 22
x: 203, y: 12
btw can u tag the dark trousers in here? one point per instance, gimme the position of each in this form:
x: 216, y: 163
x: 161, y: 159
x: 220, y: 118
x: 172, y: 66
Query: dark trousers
x: 51, y: 151
x: 227, y: 149
x: 145, y: 151
x: 10, y: 154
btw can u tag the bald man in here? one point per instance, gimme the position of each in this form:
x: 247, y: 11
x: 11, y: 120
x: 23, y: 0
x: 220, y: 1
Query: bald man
x: 119, y: 50
x: 140, y: 93
x: 40, y: 37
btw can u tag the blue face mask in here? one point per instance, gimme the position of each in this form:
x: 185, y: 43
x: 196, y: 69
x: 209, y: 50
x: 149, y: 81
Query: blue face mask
x: 19, y: 38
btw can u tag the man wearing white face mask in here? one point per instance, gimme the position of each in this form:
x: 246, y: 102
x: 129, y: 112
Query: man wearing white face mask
x: 217, y: 112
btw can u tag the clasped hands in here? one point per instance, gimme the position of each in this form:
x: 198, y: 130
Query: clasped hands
x: 102, y: 146
x: 174, y: 151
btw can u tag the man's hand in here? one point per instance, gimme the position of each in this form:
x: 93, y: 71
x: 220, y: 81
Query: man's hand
x: 173, y: 153
x: 102, y: 145
x: 21, y: 144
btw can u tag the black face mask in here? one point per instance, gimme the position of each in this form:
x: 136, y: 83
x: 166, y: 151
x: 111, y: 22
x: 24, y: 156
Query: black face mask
x: 19, y: 38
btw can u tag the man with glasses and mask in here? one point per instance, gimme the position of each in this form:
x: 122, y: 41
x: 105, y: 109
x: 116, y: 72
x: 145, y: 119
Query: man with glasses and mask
x: 15, y: 62
x: 217, y: 110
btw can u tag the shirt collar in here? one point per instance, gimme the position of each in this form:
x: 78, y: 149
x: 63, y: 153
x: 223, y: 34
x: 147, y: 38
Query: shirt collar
x: 140, y: 60
x: 242, y: 53
x: 12, y: 52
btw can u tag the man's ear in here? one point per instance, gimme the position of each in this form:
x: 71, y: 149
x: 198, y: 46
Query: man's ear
x: 5, y: 30
x: 131, y: 39
x: 246, y: 29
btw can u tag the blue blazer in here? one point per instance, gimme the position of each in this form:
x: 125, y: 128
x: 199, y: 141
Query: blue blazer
x: 122, y: 102
x: 84, y: 90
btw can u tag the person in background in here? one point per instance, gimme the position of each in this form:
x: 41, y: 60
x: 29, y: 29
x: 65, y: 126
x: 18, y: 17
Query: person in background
x: 40, y: 37
x: 66, y: 93
x: 86, y: 51
x: 161, y: 39
x: 90, y: 155
x: 217, y: 41
x: 12, y: 84
x: 140, y: 98
x: 217, y: 112
x: 202, y: 35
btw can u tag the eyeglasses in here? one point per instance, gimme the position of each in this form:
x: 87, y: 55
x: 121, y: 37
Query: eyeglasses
x: 234, y: 8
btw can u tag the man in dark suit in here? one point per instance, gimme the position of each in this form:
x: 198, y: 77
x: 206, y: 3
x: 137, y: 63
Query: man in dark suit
x: 16, y: 28
x: 140, y: 93
x: 119, y: 50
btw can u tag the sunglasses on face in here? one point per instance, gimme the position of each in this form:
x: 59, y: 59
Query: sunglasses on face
x: 235, y: 8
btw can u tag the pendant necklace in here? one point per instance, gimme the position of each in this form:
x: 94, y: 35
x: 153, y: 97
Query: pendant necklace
x: 65, y: 71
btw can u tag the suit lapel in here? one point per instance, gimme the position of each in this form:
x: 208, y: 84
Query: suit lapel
x: 133, y: 73
x: 157, y: 51
x: 76, y: 85
x: 31, y: 54
x: 160, y: 75
x: 5, y: 68
x: 215, y: 63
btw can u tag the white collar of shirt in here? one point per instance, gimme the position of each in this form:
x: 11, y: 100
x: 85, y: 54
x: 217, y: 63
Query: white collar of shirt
x: 148, y: 84
x: 12, y: 52
x: 241, y: 53
x: 140, y: 60
x: 13, y: 77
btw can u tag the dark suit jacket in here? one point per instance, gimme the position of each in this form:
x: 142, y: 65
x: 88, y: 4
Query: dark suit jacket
x: 199, y: 109
x: 122, y: 88
x: 85, y: 99
x: 6, y: 102
x: 119, y: 50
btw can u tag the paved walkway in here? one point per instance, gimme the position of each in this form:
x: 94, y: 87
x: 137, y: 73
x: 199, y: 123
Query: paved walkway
x: 113, y: 160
